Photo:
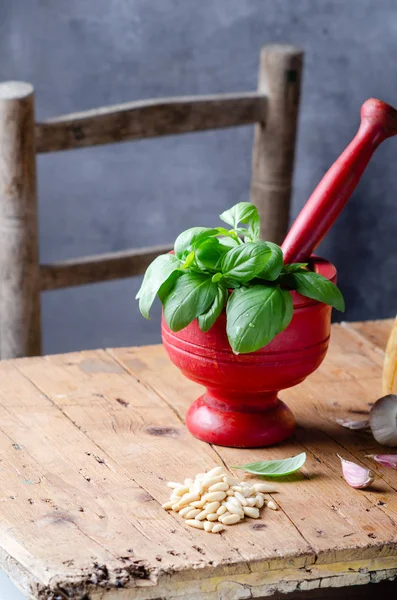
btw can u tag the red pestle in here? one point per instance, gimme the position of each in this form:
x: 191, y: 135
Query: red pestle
x: 378, y: 122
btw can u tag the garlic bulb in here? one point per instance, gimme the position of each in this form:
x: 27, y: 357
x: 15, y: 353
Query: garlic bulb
x: 383, y: 420
x: 355, y: 475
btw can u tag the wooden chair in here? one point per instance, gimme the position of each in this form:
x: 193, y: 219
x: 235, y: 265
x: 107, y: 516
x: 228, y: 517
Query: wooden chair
x: 274, y: 108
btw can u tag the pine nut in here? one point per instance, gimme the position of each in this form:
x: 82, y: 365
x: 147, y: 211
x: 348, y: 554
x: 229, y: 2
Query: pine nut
x: 230, y: 480
x: 230, y: 519
x: 272, y: 505
x: 259, y: 502
x: 251, y: 512
x: 251, y: 501
x: 208, y: 526
x: 167, y: 505
x: 219, y: 487
x: 200, y: 475
x: 221, y: 510
x: 234, y: 509
x: 185, y: 511
x: 198, y: 503
x: 208, y: 481
x: 188, y: 498
x: 265, y: 488
x: 212, y: 517
x: 173, y: 484
x: 234, y: 500
x: 240, y: 497
x: 176, y: 507
x: 192, y: 513
x: 230, y: 493
x: 180, y: 491
x: 196, y: 488
x: 212, y: 507
x: 247, y: 491
x: 215, y: 471
x: 195, y: 523
x: 188, y: 481
x: 217, y: 528
x: 214, y: 496
x: 237, y: 488
x: 201, y: 516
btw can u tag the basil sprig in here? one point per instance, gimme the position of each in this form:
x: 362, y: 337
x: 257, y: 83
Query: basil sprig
x: 214, y: 268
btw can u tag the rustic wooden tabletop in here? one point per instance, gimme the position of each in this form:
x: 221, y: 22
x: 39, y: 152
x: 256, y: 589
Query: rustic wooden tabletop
x: 88, y: 441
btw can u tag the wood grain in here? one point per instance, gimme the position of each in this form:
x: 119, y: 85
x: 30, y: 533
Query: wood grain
x: 280, y: 74
x: 19, y: 272
x: 88, y: 441
x: 103, y: 267
x: 149, y: 118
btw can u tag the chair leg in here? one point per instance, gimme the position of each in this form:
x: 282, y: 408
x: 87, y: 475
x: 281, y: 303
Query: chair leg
x: 274, y: 143
x: 19, y: 266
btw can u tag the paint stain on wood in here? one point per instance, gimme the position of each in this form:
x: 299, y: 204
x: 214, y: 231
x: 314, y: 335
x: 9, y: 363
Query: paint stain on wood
x: 122, y: 402
x: 163, y: 431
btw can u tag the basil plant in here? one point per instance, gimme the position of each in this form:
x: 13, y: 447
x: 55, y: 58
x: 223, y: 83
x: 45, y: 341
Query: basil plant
x: 208, y: 263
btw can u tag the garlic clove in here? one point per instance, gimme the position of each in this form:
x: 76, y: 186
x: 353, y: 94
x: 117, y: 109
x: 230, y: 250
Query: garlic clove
x: 349, y: 424
x: 387, y: 460
x: 383, y: 420
x: 355, y: 475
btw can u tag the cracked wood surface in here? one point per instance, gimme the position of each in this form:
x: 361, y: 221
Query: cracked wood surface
x: 88, y: 441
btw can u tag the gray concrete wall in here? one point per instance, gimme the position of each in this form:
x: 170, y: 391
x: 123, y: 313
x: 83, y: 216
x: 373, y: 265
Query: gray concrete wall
x: 81, y: 55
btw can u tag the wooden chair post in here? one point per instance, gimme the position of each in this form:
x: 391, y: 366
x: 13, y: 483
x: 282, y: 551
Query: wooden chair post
x: 274, y: 144
x: 19, y: 266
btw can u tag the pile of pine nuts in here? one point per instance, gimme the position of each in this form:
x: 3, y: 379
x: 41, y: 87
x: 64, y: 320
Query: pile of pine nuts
x: 215, y: 499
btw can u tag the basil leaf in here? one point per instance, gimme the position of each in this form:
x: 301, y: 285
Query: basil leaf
x: 156, y: 274
x: 295, y: 267
x: 288, y: 309
x: 315, y: 286
x: 275, y: 468
x: 274, y: 263
x: 243, y: 212
x: 255, y: 228
x: 187, y: 239
x: 168, y: 285
x: 255, y: 315
x: 246, y: 261
x: 209, y: 255
x: 228, y: 241
x: 207, y: 319
x: 190, y: 297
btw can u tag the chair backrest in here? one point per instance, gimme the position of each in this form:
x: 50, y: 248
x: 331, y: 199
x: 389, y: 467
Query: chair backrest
x: 273, y: 107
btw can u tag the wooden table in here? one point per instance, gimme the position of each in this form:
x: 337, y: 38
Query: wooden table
x: 88, y: 441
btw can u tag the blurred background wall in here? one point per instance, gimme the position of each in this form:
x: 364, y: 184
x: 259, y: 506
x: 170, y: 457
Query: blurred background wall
x: 80, y: 55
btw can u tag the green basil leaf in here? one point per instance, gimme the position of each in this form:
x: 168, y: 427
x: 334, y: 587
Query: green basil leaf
x: 189, y: 260
x: 246, y: 261
x: 167, y: 286
x: 255, y: 228
x: 274, y: 263
x: 209, y: 255
x: 190, y: 297
x: 243, y: 212
x: 207, y: 319
x: 275, y: 468
x: 255, y: 315
x: 315, y: 286
x: 288, y: 309
x: 156, y: 274
x: 295, y: 267
x: 229, y: 241
x: 186, y: 241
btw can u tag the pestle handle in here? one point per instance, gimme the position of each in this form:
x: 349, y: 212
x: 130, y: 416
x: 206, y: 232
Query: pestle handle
x: 378, y: 122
